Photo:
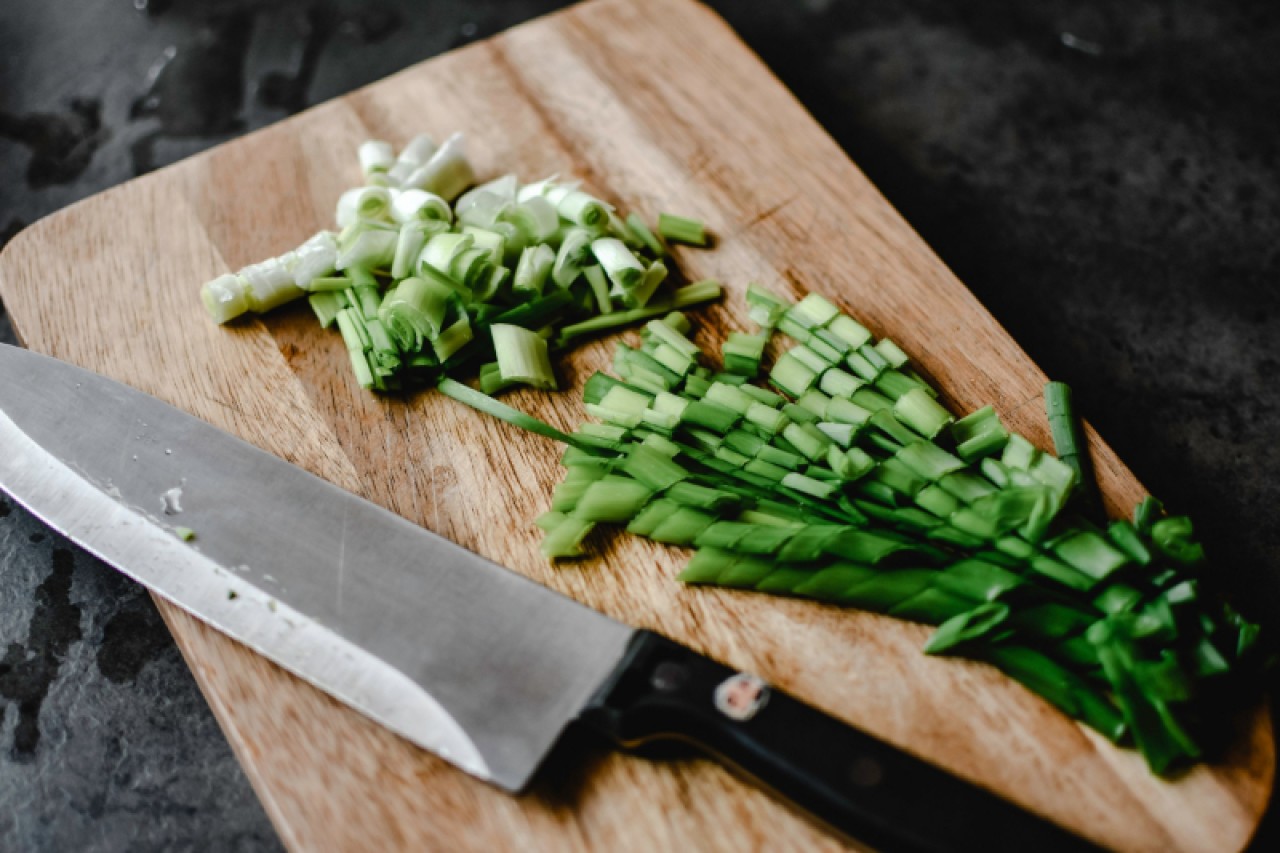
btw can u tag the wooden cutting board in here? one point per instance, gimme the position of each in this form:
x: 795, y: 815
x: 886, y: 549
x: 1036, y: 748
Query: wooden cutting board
x: 656, y: 106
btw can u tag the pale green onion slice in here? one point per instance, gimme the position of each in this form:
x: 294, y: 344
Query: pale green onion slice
x: 414, y: 311
x: 326, y: 305
x: 522, y: 356
x: 269, y: 284
x: 447, y: 173
x: 891, y: 352
x: 533, y: 268
x: 583, y: 209
x: 484, y: 210
x: 487, y: 288
x: 555, y: 192
x: 470, y: 267
x: 535, y: 218
x: 418, y: 150
x: 813, y: 311
x: 376, y: 157
x: 565, y: 539
x: 413, y: 155
x: 599, y: 288
x: 619, y: 263
x: 764, y: 307
x: 664, y: 333
x: 371, y: 248
x: 491, y: 241
x: 617, y: 227
x: 329, y: 283
x: 315, y: 258
x: 641, y: 233
x: 225, y: 297
x: 640, y: 295
x: 442, y: 249
x: 453, y: 338
x: 574, y: 253
x: 408, y: 248
x: 682, y: 229
x: 537, y: 189
x: 363, y: 203
x: 849, y: 330
x: 919, y: 411
x: 412, y: 205
x: 503, y: 189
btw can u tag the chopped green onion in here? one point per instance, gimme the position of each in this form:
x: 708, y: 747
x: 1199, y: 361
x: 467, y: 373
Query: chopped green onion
x: 489, y: 406
x: 415, y: 205
x: 814, y: 311
x: 533, y: 269
x: 225, y: 297
x: 599, y: 288
x: 1068, y: 439
x: 680, y: 229
x: 363, y: 203
x: 447, y: 173
x: 640, y: 231
x: 453, y: 337
x: 921, y: 413
x: 376, y: 157
x: 522, y: 356
x: 414, y: 154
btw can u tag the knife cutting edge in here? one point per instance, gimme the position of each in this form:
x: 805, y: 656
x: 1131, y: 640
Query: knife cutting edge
x: 467, y: 659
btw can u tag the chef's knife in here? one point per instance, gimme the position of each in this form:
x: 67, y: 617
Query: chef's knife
x: 461, y: 656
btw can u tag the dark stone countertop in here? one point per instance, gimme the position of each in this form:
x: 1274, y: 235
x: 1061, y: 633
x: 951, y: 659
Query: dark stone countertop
x: 1105, y: 177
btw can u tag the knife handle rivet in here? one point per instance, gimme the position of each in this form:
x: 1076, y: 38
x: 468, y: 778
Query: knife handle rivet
x: 866, y: 772
x: 668, y: 676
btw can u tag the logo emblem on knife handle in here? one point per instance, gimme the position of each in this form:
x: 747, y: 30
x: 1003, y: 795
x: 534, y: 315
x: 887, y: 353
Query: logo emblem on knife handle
x: 739, y: 697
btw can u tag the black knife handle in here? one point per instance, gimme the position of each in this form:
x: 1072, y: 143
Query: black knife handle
x: 861, y: 786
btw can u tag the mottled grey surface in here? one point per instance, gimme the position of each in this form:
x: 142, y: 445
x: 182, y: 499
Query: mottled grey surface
x: 1105, y: 177
x: 108, y: 743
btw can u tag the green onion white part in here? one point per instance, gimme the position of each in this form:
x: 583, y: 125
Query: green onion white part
x: 447, y: 173
x: 414, y: 154
x: 363, y: 203
x: 420, y: 286
x: 376, y: 157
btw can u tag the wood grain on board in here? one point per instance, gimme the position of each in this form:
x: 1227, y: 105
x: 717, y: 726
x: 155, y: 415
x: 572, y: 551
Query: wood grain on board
x: 656, y: 106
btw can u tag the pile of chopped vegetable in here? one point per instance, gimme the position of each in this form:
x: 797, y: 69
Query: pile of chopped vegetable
x: 841, y: 478
x: 424, y: 279
x: 836, y: 475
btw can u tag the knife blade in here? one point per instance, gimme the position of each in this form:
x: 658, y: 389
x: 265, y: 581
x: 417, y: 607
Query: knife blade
x: 463, y: 657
